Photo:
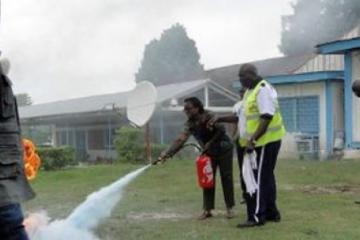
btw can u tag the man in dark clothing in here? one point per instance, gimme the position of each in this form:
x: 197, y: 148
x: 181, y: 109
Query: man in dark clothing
x: 14, y: 187
x: 216, y: 144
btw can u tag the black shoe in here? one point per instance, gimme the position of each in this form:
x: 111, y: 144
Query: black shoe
x: 277, y: 218
x: 249, y: 224
x: 205, y: 215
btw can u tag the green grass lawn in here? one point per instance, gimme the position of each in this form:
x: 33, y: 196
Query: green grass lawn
x: 316, y: 200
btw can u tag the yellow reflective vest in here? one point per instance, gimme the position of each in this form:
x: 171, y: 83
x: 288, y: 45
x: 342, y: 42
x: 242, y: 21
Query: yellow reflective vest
x: 276, y: 129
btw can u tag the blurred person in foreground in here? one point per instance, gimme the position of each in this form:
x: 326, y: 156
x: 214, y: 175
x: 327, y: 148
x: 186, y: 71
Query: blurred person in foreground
x: 216, y: 144
x: 14, y: 187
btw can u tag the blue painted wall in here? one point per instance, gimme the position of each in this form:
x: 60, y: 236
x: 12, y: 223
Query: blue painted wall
x: 329, y: 93
x: 348, y: 99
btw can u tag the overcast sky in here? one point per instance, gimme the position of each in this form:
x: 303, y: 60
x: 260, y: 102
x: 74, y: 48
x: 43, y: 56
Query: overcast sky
x: 62, y: 49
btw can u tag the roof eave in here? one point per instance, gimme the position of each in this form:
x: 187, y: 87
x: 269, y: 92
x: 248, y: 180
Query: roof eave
x: 339, y: 46
x: 302, y: 78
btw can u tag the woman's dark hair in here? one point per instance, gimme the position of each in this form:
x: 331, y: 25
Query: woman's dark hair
x: 196, y: 103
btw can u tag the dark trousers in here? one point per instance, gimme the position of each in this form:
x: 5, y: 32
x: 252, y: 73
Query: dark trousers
x: 262, y: 204
x: 240, y: 156
x: 11, y: 223
x: 224, y: 162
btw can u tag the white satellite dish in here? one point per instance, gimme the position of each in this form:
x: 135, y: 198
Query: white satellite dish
x: 141, y: 103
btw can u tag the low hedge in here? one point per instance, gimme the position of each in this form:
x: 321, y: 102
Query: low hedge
x: 54, y: 158
x: 130, y: 146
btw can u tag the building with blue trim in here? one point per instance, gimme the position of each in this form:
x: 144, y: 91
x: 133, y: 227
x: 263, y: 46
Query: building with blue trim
x: 316, y: 99
x: 349, y: 49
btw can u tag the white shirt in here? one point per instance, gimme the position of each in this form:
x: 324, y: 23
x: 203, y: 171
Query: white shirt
x: 239, y: 111
x: 267, y: 99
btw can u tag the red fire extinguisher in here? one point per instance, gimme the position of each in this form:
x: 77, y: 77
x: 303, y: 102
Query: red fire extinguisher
x: 204, y: 171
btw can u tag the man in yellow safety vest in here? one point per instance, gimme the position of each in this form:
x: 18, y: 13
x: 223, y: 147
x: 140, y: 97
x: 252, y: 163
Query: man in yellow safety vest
x: 264, y: 131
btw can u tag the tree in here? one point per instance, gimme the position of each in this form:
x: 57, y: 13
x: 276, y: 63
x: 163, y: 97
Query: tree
x: 317, y: 21
x: 172, y: 58
x: 23, y: 99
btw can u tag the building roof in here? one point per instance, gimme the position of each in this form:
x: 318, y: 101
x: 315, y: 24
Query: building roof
x: 100, y: 103
x: 177, y: 90
x: 225, y: 76
x: 72, y: 106
x: 339, y: 46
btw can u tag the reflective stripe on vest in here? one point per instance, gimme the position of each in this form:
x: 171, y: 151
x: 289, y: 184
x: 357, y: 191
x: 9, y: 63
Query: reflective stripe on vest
x: 276, y: 129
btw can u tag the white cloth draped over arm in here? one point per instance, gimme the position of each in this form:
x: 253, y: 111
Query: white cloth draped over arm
x: 248, y: 174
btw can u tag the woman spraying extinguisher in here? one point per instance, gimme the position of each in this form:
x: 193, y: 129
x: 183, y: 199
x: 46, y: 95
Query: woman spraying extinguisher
x: 215, y: 144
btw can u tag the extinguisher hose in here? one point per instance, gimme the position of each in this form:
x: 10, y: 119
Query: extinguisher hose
x: 184, y: 146
x: 192, y: 145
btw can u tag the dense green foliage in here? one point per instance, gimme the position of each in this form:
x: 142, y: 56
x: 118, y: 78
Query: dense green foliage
x: 130, y: 145
x: 172, y: 58
x: 55, y: 158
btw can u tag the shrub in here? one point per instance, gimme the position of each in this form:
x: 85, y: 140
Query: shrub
x: 129, y: 144
x: 130, y: 147
x: 54, y: 158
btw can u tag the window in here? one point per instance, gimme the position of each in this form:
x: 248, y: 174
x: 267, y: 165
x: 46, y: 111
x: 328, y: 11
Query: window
x: 288, y: 112
x: 109, y: 138
x: 61, y: 138
x: 300, y: 114
x: 96, y: 139
x: 308, y: 114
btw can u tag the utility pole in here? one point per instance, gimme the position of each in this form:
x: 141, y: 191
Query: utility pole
x: 147, y: 143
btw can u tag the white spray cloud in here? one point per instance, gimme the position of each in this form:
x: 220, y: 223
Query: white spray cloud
x: 61, y: 230
x: 85, y: 218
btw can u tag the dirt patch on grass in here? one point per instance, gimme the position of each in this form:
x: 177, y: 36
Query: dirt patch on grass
x: 350, y: 189
x: 138, y: 217
x: 171, y: 216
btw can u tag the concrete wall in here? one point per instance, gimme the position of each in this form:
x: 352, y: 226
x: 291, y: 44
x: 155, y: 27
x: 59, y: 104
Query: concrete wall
x: 300, y: 90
